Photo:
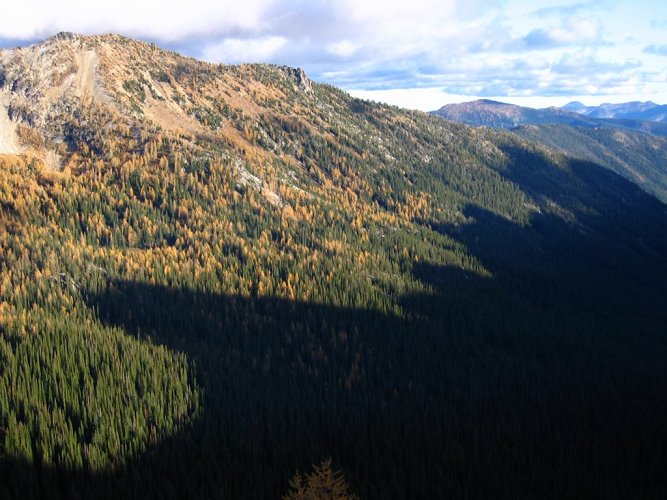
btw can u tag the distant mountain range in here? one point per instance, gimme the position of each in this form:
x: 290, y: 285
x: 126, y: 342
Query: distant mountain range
x: 495, y: 114
x: 635, y: 110
x: 610, y: 135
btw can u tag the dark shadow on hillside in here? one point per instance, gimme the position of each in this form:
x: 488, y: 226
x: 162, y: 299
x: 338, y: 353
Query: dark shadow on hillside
x: 545, y: 380
x: 596, y: 257
x: 479, y: 397
x: 591, y: 191
x: 601, y: 238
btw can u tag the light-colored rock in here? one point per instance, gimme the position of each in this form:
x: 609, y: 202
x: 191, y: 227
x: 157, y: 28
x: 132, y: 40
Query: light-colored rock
x: 8, y: 139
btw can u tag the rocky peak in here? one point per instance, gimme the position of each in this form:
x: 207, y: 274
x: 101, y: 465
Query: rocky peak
x: 63, y: 35
x: 68, y: 93
x: 298, y: 77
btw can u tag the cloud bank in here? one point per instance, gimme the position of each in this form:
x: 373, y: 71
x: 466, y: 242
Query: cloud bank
x: 462, y: 47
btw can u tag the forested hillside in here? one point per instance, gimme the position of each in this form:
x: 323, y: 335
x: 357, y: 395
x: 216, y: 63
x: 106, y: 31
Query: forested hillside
x: 634, y: 149
x: 212, y: 277
x: 639, y: 157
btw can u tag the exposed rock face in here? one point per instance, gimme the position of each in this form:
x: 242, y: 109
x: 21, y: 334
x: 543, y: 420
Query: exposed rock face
x: 298, y: 76
x: 71, y: 90
x: 8, y: 138
x: 68, y: 71
x: 39, y: 85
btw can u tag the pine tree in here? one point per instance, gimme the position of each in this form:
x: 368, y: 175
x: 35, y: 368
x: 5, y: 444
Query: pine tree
x: 322, y: 484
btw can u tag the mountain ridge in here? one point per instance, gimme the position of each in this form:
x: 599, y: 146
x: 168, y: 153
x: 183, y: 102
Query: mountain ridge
x: 635, y: 110
x: 112, y: 78
x: 503, y: 115
x: 632, y: 148
x: 230, y: 273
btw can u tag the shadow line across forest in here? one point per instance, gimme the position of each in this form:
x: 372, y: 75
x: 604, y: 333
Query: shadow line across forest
x: 546, y: 380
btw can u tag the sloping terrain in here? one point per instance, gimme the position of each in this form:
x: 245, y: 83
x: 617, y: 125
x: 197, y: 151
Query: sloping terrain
x: 640, y: 158
x: 633, y: 149
x: 225, y: 274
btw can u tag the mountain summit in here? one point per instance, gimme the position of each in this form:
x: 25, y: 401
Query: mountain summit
x: 109, y: 78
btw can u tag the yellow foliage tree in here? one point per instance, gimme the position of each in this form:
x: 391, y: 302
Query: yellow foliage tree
x: 322, y: 484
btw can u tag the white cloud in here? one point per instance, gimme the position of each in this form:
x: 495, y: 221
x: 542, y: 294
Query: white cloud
x: 434, y: 98
x: 397, y: 19
x: 476, y: 47
x: 248, y: 50
x: 570, y: 32
x: 344, y: 48
x: 424, y: 99
x: 576, y: 31
x: 164, y: 20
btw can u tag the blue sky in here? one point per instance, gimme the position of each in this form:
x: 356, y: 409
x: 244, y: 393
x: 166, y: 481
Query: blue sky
x: 419, y: 54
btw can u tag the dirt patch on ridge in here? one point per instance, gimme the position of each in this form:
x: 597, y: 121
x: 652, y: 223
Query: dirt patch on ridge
x: 8, y: 140
x: 85, y: 83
